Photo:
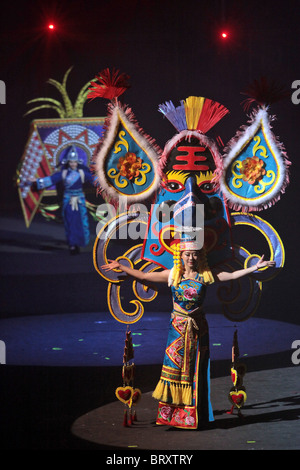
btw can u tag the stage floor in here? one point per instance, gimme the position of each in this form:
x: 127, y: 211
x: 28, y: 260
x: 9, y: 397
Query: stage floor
x: 97, y: 339
x: 64, y: 357
x: 271, y: 420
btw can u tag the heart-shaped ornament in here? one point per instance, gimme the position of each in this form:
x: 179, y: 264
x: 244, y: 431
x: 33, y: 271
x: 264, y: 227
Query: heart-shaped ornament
x: 136, y: 396
x: 124, y: 394
x: 237, y: 398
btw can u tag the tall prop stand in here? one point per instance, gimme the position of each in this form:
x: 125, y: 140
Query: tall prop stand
x: 237, y: 395
x: 127, y: 394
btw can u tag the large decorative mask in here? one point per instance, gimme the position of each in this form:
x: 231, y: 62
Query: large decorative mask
x: 189, y: 173
x: 191, y: 165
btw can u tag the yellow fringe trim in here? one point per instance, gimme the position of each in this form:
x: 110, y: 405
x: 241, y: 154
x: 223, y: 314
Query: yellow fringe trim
x: 178, y: 394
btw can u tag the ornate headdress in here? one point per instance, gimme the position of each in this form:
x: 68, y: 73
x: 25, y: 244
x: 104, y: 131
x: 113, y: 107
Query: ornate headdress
x: 189, y: 242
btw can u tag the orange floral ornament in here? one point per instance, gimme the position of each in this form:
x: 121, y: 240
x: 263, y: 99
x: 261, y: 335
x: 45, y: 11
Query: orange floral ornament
x: 129, y: 165
x: 252, y: 169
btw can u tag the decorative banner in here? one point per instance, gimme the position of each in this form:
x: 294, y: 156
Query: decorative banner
x: 255, y: 167
x: 48, y: 143
x: 33, y: 164
x: 126, y: 164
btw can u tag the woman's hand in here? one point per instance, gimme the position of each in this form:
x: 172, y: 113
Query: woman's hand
x: 262, y: 264
x: 112, y: 264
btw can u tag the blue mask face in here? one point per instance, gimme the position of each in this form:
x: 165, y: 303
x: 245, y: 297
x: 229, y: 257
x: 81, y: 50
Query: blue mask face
x: 187, y: 198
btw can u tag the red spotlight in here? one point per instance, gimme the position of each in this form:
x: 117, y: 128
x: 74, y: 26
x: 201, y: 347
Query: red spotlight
x: 224, y: 35
x: 51, y: 26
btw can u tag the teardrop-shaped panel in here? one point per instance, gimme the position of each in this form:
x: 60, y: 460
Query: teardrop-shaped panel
x: 255, y: 168
x: 126, y: 162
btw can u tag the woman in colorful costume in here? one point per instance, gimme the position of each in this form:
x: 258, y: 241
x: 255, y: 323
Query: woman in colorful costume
x: 75, y: 216
x: 183, y: 390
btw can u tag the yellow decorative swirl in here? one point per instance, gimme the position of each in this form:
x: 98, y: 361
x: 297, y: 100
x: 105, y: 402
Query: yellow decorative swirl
x: 122, y: 141
x: 137, y: 313
x: 235, y: 181
x: 141, y: 179
x: 257, y: 147
x: 122, y: 182
x: 260, y: 188
x: 112, y: 173
x: 145, y: 288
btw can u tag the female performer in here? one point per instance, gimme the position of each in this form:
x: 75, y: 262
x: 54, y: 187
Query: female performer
x: 183, y: 390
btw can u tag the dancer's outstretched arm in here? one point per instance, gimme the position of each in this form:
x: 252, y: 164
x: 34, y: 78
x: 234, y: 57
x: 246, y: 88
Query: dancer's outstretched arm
x: 226, y: 276
x: 160, y: 276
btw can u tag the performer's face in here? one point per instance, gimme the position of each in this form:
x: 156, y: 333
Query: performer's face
x: 190, y: 258
x: 73, y: 164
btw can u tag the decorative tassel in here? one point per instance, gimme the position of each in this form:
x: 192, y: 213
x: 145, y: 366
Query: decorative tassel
x: 237, y: 394
x: 177, y: 267
x: 177, y: 393
x: 125, y: 423
x: 130, y: 420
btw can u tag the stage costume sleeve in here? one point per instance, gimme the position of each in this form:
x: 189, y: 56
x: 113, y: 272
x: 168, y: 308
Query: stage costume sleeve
x: 47, y: 181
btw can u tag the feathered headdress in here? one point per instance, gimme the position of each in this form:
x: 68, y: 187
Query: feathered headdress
x: 195, y: 113
x: 194, y: 117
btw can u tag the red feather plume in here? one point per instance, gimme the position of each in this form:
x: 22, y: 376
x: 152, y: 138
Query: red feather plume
x: 212, y: 112
x: 111, y: 85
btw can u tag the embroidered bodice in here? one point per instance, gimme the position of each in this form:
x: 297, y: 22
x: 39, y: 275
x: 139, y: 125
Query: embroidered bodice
x: 189, y: 294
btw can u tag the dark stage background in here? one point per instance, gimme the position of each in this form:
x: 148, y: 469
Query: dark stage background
x: 170, y: 49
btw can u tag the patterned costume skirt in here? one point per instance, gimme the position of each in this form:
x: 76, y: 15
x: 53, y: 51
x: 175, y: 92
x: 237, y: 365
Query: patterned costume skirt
x: 183, y: 390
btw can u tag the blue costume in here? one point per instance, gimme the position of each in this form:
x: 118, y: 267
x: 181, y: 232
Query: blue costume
x: 73, y: 207
x: 183, y: 390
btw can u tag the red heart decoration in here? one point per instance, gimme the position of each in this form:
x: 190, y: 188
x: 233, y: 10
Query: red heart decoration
x: 237, y: 398
x: 136, y: 396
x: 124, y: 394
